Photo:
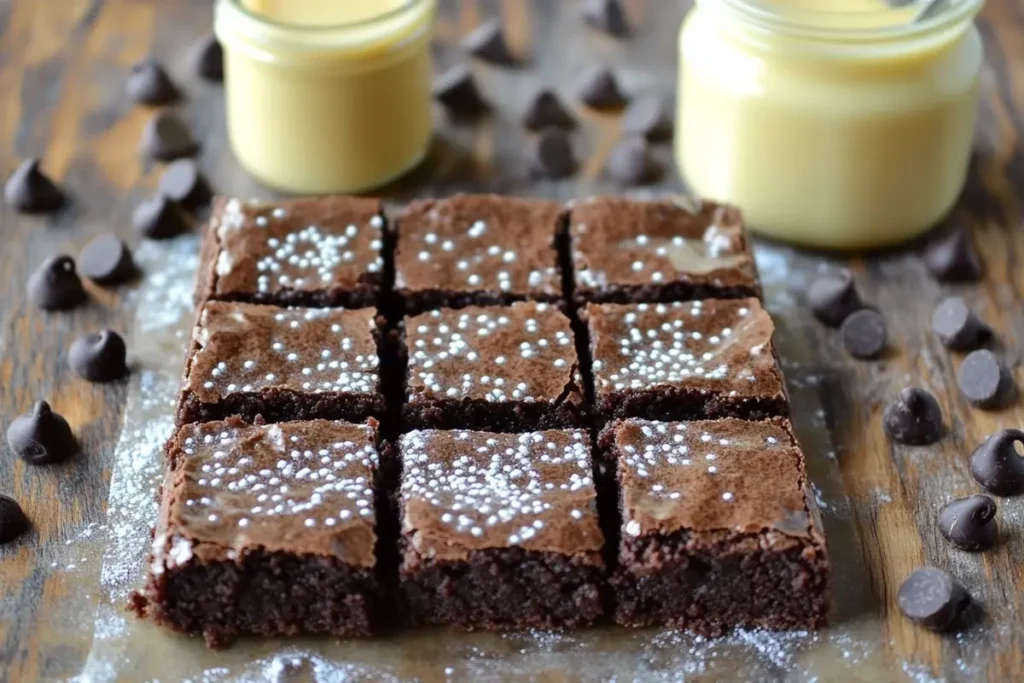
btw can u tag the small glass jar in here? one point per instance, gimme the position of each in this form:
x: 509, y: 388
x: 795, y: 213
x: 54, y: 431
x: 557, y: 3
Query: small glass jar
x: 327, y: 109
x: 830, y: 130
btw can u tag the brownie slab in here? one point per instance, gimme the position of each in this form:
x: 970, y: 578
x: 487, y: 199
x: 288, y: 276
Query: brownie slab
x: 496, y: 368
x: 686, y: 360
x: 281, y: 364
x: 318, y: 252
x: 499, y: 531
x: 477, y: 250
x: 718, y: 527
x: 266, y: 530
x: 628, y: 251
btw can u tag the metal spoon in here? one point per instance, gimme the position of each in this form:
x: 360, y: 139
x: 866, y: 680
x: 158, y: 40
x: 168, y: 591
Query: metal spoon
x: 930, y: 8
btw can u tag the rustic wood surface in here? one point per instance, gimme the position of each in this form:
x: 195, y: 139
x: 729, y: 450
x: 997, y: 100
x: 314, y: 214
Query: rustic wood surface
x: 62, y: 69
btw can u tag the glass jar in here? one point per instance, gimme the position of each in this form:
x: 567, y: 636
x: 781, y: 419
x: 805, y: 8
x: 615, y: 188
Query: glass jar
x: 829, y: 129
x: 327, y: 108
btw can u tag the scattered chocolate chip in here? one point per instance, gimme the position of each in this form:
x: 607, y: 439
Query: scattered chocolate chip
x: 106, y: 260
x: 184, y: 183
x: 969, y: 523
x: 209, y: 59
x: 487, y: 42
x: 148, y: 83
x: 552, y: 154
x: 598, y: 88
x: 647, y: 116
x: 29, y: 190
x: 167, y: 138
x: 55, y: 285
x: 834, y: 297
x: 914, y: 418
x: 997, y: 465
x: 952, y: 258
x: 985, y: 381
x: 957, y: 327
x: 545, y: 110
x: 159, y: 218
x: 864, y: 334
x: 931, y: 598
x: 13, y: 522
x: 456, y: 89
x: 607, y: 16
x: 99, y: 357
x: 41, y: 436
x: 629, y: 161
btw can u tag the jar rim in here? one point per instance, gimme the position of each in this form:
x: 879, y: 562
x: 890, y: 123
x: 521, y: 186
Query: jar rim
x: 256, y: 16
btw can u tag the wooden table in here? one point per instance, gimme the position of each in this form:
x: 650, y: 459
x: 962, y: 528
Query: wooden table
x: 62, y: 70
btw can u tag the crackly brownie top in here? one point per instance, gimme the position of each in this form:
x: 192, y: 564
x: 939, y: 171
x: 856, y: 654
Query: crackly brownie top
x: 523, y: 352
x: 296, y: 487
x: 298, y: 245
x: 712, y: 345
x: 251, y: 348
x: 479, y: 243
x: 711, y: 475
x: 617, y: 241
x: 463, y: 491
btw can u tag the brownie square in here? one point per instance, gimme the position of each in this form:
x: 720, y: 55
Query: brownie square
x: 493, y: 368
x: 281, y: 364
x: 477, y: 250
x: 627, y: 251
x: 267, y: 530
x: 499, y: 531
x: 327, y: 251
x: 710, y: 358
x: 718, y: 527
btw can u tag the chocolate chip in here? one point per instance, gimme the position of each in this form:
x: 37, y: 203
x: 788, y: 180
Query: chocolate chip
x: 863, y: 334
x: 607, y: 16
x: 914, y: 418
x: 166, y: 138
x: 183, y: 182
x: 629, y: 161
x: 957, y: 327
x: 952, y: 258
x: 647, y: 116
x: 834, y: 297
x: 545, y: 110
x: 149, y: 83
x: 13, y: 522
x: 487, y: 42
x: 29, y: 190
x: 41, y: 436
x: 997, y: 465
x: 159, y: 218
x: 985, y: 381
x: 598, y: 88
x: 209, y: 59
x: 552, y: 154
x: 99, y: 357
x: 106, y: 260
x: 456, y: 89
x: 931, y: 598
x: 55, y: 285
x: 969, y: 523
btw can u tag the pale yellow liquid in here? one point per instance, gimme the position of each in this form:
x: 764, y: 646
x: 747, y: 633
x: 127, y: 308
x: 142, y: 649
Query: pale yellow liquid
x: 322, y: 12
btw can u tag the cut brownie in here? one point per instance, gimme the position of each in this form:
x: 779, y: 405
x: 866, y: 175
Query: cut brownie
x: 696, y: 359
x: 499, y: 531
x: 718, y: 527
x: 477, y: 250
x: 266, y: 530
x: 306, y: 252
x: 281, y: 364
x: 626, y: 251
x: 496, y: 368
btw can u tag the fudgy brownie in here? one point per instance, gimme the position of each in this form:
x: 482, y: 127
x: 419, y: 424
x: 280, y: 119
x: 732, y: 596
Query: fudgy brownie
x: 266, y: 530
x: 499, y: 531
x: 477, y: 250
x: 718, y: 527
x: 628, y: 251
x: 281, y: 364
x: 686, y: 360
x: 326, y: 251
x: 497, y: 368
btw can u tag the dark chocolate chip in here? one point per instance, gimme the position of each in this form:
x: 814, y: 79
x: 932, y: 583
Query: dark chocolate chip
x: 864, y: 334
x: 545, y: 110
x: 914, y: 418
x: 167, y: 138
x: 41, y: 436
x: 607, y: 16
x: 29, y: 190
x: 487, y: 42
x: 997, y: 465
x: 985, y: 381
x: 952, y: 258
x: 931, y: 598
x: 970, y: 523
x: 629, y: 161
x: 159, y: 218
x: 183, y: 182
x: 834, y: 297
x: 598, y: 88
x: 209, y: 59
x: 13, y: 522
x: 647, y: 116
x: 957, y: 327
x: 99, y: 357
x: 552, y: 154
x: 149, y: 83
x: 55, y: 285
x: 456, y: 89
x: 106, y: 260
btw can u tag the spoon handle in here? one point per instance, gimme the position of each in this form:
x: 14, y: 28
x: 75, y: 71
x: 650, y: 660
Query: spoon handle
x: 929, y: 9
